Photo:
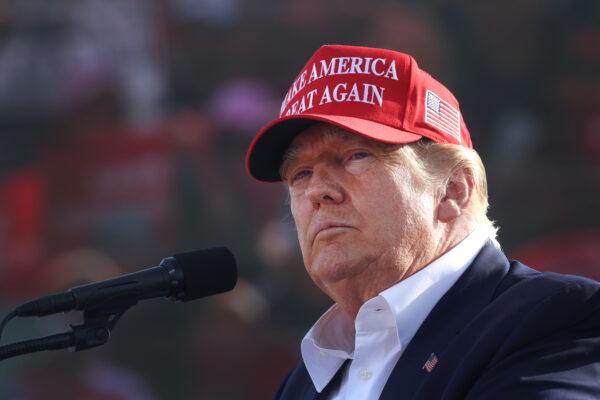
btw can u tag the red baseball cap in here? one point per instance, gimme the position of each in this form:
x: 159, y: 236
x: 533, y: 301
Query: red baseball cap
x: 377, y: 93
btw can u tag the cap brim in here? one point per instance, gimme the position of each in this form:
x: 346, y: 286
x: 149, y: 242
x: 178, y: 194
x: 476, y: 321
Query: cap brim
x: 267, y: 149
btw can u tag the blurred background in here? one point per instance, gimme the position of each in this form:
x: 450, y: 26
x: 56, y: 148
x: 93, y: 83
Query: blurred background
x: 123, y: 130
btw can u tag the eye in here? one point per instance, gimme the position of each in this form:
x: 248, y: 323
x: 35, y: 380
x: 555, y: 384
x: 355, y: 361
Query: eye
x: 298, y: 175
x: 359, y: 155
x: 359, y: 161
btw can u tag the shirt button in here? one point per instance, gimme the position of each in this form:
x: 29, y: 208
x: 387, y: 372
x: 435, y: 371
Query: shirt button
x: 323, y: 353
x: 365, y: 374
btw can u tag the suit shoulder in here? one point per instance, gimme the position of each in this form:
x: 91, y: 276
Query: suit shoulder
x: 544, y: 301
x: 532, y: 285
x: 531, y: 309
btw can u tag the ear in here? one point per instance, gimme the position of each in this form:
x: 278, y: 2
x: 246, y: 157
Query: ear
x: 456, y: 196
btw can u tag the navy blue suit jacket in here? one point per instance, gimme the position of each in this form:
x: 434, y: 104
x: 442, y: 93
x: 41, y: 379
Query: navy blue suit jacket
x: 503, y: 331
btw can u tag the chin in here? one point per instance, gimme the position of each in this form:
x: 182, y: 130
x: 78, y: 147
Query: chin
x: 335, y: 265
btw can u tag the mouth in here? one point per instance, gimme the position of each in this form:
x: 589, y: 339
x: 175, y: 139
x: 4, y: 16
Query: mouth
x: 329, y: 228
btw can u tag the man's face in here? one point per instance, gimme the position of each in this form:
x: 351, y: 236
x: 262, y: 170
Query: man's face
x: 361, y: 219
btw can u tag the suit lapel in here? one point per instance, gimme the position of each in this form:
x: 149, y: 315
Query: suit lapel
x: 299, y: 385
x: 333, y: 384
x: 309, y: 392
x: 470, y: 294
x: 308, y: 389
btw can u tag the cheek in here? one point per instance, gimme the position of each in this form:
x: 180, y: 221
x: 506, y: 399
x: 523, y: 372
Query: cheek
x: 388, y: 223
x: 394, y: 211
x: 301, y: 220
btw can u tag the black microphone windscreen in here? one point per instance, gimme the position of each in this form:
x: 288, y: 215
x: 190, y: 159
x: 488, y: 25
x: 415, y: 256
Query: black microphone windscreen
x: 207, y: 272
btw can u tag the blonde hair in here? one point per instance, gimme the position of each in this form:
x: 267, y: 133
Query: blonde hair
x: 435, y: 164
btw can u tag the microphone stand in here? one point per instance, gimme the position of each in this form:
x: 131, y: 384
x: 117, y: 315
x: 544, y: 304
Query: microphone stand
x: 98, y: 322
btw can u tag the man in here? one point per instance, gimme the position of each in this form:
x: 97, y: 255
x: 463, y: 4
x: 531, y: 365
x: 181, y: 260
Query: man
x: 390, y: 201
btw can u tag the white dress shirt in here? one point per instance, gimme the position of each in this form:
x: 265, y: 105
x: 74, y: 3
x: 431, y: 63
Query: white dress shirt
x: 383, y: 328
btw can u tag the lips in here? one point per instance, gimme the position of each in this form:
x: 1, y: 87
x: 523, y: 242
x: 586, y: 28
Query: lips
x: 324, y: 226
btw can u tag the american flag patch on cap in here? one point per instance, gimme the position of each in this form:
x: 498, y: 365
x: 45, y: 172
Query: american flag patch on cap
x: 441, y: 115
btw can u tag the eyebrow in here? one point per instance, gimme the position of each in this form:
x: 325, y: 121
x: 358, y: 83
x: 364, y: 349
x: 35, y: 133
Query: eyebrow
x: 381, y: 148
x: 290, y: 155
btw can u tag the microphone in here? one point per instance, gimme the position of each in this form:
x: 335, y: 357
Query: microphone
x: 182, y: 277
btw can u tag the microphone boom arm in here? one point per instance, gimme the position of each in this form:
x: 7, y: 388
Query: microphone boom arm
x: 99, y: 320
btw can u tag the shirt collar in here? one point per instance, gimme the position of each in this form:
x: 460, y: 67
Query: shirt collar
x: 331, y: 339
x: 327, y: 345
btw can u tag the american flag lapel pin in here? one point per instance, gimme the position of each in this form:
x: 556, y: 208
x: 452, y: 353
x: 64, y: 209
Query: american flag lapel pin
x: 431, y: 362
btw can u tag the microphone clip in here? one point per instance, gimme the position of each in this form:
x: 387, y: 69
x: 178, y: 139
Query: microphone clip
x: 98, y: 322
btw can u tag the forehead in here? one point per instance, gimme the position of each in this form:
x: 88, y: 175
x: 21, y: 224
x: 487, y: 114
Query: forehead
x: 324, y: 136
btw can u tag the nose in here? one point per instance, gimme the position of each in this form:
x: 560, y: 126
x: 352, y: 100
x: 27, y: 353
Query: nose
x: 323, y: 187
